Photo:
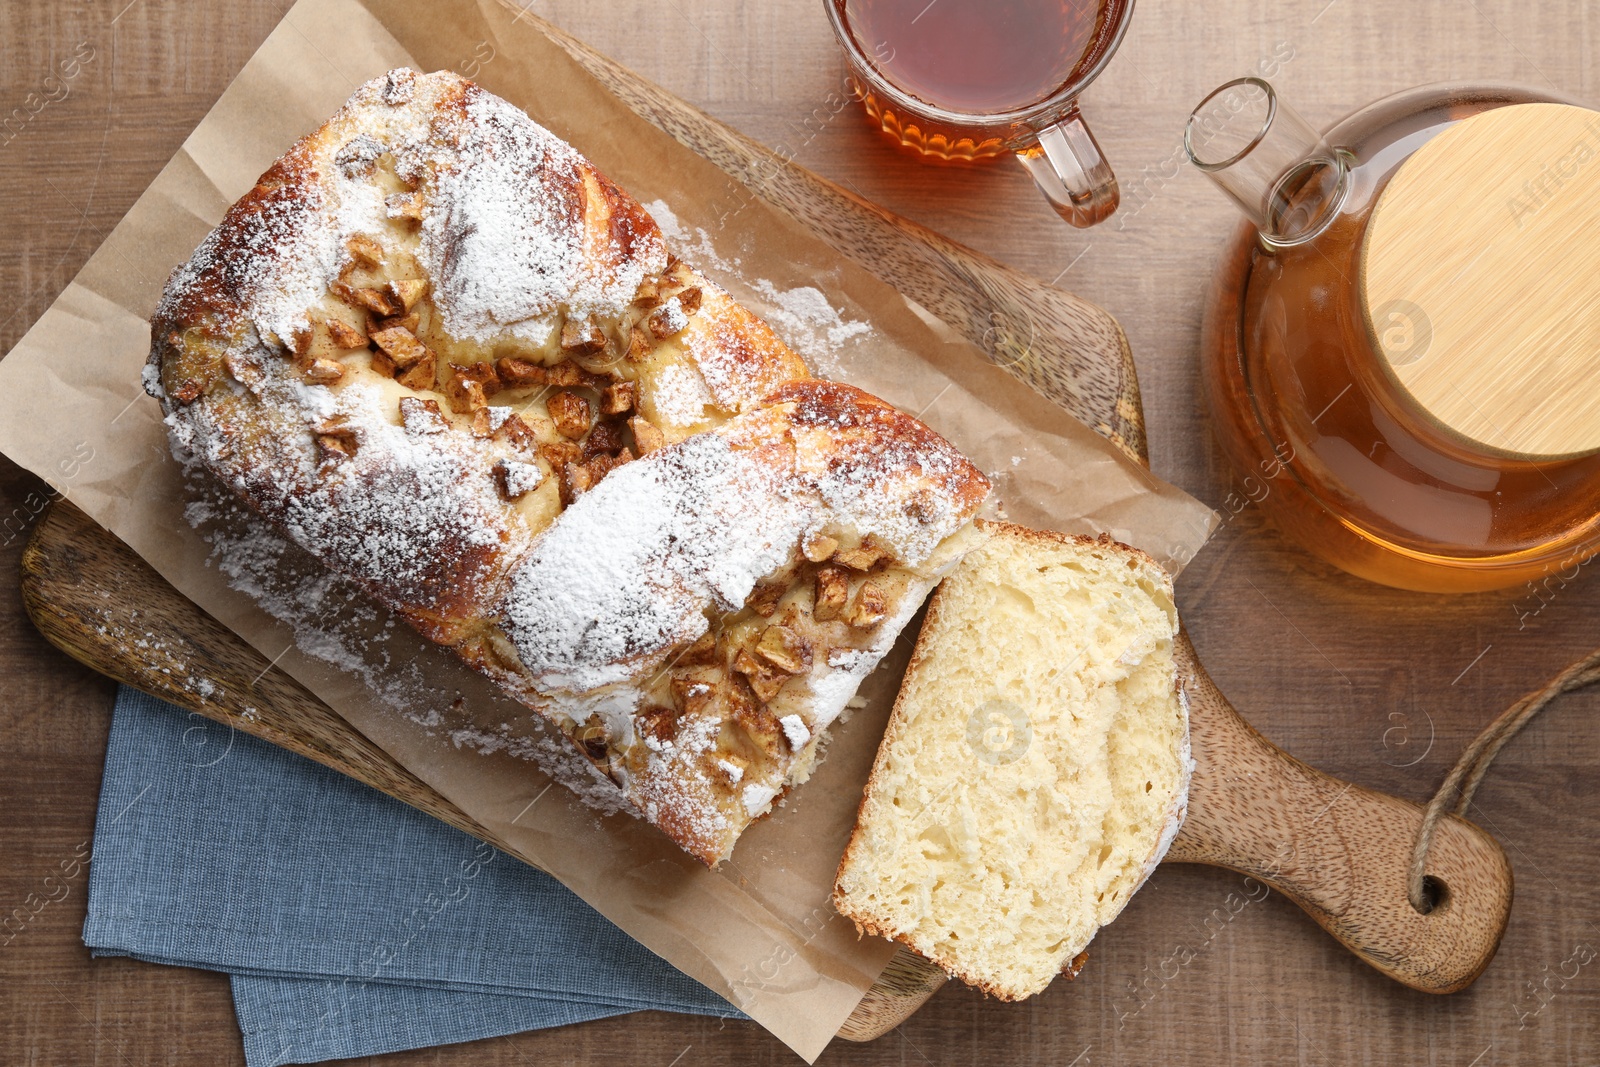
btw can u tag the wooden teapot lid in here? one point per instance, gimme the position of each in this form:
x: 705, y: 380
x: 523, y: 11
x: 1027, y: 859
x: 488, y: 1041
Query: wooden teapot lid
x: 1480, y: 277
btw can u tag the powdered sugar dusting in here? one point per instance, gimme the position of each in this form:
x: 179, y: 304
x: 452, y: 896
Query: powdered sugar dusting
x: 794, y: 729
x: 634, y: 564
x: 696, y: 244
x: 680, y: 395
x: 521, y: 477
x: 640, y: 563
x: 285, y: 229
x: 503, y: 226
x: 503, y: 236
x: 758, y: 797
x: 572, y: 600
x: 331, y: 618
x: 416, y: 514
x: 334, y: 621
x: 801, y: 316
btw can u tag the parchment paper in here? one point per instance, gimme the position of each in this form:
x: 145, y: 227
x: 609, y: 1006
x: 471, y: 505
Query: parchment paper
x: 760, y: 930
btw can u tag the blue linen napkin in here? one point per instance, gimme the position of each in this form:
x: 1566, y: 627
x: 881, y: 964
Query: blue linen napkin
x: 350, y: 924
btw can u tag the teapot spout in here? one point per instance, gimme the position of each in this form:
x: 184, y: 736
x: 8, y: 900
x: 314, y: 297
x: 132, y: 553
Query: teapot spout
x: 1280, y: 172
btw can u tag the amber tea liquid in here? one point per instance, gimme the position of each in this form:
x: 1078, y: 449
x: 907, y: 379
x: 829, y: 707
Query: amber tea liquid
x: 975, y: 58
x: 1348, y: 466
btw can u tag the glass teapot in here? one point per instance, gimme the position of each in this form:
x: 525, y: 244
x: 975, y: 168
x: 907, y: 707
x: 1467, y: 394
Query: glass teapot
x: 1402, y: 345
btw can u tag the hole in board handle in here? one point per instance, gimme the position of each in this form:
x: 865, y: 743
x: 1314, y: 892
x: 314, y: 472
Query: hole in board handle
x: 1435, y: 894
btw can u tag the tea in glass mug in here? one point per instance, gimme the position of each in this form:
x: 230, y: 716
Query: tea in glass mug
x: 961, y: 80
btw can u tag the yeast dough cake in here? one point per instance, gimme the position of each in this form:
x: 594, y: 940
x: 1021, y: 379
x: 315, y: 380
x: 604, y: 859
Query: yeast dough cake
x: 451, y: 359
x: 1036, y: 766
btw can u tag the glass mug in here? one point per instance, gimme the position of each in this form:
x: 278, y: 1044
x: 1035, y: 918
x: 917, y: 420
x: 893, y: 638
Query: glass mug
x: 963, y: 80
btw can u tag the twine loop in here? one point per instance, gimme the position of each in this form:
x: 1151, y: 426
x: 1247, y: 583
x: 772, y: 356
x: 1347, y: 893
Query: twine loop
x: 1468, y: 773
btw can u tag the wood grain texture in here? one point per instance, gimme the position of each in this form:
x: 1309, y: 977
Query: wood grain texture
x: 92, y: 597
x: 1070, y: 350
x: 1336, y: 849
x: 1340, y: 851
x: 68, y: 567
x: 1478, y: 279
x: 1374, y: 685
x: 1267, y: 812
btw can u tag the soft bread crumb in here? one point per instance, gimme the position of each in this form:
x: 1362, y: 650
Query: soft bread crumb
x: 1036, y: 764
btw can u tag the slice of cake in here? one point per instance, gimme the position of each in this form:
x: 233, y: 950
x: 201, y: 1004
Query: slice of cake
x: 1036, y: 766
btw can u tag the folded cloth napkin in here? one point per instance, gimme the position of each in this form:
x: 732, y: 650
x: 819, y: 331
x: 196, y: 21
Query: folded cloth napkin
x: 350, y: 924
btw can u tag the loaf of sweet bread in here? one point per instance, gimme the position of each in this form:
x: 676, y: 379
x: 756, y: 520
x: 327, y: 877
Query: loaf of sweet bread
x: 1036, y: 766
x: 447, y: 356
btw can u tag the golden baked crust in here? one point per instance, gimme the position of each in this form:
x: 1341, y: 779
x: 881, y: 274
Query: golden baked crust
x: 458, y: 364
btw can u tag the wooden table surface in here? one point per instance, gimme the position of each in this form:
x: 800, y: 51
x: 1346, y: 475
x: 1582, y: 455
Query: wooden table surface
x: 1374, y: 685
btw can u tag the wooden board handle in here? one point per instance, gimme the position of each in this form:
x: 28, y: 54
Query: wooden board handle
x: 1251, y: 805
x: 1339, y: 851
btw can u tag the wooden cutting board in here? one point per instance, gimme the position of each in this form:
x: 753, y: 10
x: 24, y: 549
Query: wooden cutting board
x: 1336, y: 849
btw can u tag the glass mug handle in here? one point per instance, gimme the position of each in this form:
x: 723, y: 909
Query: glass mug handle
x: 1070, y: 170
